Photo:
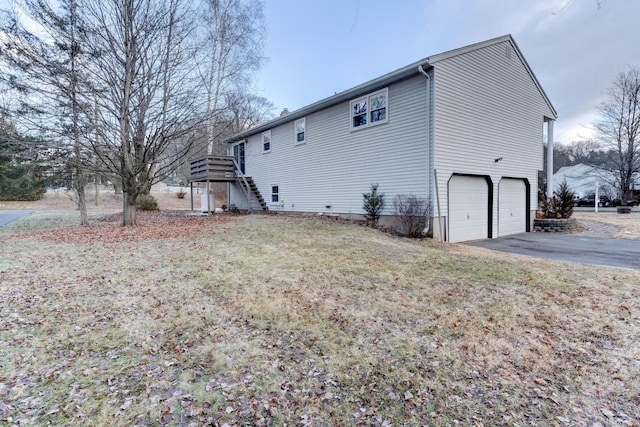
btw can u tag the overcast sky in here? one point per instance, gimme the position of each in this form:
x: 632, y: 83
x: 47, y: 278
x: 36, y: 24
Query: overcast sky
x: 316, y: 48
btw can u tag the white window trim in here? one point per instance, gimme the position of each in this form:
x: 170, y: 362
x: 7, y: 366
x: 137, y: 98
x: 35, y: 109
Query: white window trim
x: 271, y: 202
x: 295, y: 131
x: 368, y: 98
x: 266, y: 133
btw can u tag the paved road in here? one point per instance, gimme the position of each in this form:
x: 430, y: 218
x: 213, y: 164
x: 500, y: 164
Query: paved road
x: 9, y: 216
x: 591, y: 209
x: 561, y: 247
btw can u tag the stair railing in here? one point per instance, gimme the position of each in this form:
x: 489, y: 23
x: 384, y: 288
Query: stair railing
x: 243, y: 183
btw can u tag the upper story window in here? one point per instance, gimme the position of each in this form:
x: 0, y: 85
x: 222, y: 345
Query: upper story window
x: 369, y: 110
x: 266, y: 141
x: 379, y: 107
x: 359, y: 113
x: 300, y: 127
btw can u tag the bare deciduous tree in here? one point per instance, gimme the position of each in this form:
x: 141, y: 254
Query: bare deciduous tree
x: 231, y: 50
x: 139, y: 87
x: 146, y: 95
x: 245, y: 110
x: 619, y: 127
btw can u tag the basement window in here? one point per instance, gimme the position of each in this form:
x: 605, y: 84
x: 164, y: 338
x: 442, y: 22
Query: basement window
x: 275, y: 194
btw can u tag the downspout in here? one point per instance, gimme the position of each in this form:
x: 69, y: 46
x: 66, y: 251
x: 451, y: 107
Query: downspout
x: 430, y: 146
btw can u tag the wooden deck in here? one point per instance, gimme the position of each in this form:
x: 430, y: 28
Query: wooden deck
x: 212, y: 168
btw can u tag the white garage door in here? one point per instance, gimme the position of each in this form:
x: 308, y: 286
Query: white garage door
x: 468, y: 208
x: 512, y: 207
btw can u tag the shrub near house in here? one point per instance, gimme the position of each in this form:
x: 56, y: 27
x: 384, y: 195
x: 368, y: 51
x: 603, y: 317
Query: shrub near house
x: 555, y: 213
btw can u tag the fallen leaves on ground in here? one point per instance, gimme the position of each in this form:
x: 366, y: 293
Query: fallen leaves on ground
x: 272, y: 320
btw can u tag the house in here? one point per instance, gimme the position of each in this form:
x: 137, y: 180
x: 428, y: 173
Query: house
x: 462, y: 129
x: 584, y: 179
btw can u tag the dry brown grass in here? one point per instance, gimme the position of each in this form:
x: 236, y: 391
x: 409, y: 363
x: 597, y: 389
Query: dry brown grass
x: 62, y: 200
x: 276, y: 320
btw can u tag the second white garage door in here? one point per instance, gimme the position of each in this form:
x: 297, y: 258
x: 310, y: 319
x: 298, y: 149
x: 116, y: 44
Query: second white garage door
x: 512, y: 207
x: 468, y: 208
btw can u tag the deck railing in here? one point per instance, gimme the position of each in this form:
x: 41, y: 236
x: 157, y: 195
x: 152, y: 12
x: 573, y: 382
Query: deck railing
x: 212, y: 168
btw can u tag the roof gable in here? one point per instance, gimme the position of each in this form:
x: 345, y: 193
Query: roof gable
x: 387, y: 79
x: 433, y: 60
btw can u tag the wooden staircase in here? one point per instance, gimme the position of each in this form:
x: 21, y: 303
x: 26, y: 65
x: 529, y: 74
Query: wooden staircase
x: 253, y: 188
x: 225, y: 169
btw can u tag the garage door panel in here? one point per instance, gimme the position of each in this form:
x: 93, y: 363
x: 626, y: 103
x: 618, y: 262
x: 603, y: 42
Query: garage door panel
x: 512, y: 207
x: 468, y: 208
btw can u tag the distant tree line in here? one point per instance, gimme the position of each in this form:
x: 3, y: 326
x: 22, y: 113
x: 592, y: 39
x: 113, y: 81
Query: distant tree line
x: 588, y: 152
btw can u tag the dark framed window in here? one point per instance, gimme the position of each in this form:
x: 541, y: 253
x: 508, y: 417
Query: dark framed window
x: 359, y: 113
x: 369, y: 110
x: 379, y: 107
x: 266, y: 141
x: 300, y: 127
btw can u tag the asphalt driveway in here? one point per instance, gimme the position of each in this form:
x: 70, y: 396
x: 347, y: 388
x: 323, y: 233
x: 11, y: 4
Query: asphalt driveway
x: 561, y: 247
x: 9, y: 216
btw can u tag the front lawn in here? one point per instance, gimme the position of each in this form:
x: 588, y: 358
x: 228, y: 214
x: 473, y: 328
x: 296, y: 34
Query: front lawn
x: 274, y: 320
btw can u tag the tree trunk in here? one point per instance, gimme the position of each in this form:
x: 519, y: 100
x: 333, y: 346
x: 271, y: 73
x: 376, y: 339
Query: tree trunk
x: 129, y: 210
x: 97, y: 189
x: 82, y: 200
x: 81, y: 180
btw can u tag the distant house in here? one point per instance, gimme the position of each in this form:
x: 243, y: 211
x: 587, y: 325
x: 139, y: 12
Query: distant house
x: 583, y: 179
x: 462, y: 129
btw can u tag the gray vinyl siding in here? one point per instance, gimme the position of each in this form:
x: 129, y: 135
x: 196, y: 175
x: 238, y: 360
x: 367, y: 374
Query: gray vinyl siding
x: 238, y: 199
x: 336, y: 165
x: 487, y: 106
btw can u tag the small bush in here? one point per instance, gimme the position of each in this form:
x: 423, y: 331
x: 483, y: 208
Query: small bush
x: 146, y: 202
x: 373, y: 203
x: 411, y: 215
x: 549, y: 208
x: 180, y: 194
x: 560, y: 206
x: 17, y: 184
x: 565, y: 200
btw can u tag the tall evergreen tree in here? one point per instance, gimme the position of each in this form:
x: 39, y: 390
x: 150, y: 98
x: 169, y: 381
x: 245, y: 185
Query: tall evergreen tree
x: 20, y: 172
x: 44, y: 65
